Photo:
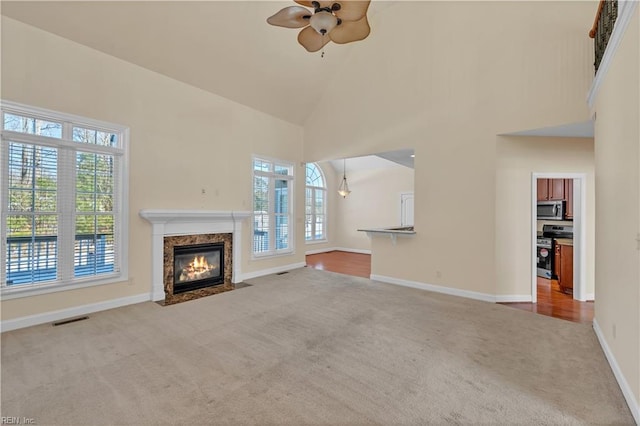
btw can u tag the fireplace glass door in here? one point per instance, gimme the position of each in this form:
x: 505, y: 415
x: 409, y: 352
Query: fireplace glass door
x: 197, y: 266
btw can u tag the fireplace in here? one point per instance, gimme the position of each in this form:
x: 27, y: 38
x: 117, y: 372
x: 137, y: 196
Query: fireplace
x: 172, y: 228
x: 197, y: 266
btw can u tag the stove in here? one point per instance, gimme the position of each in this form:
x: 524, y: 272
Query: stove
x: 545, y: 243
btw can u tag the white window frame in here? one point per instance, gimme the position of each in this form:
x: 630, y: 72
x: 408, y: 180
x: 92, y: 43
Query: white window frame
x: 272, y: 250
x: 67, y: 150
x: 314, y: 189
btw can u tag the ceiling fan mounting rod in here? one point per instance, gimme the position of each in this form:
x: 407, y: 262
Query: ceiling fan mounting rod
x: 334, y: 7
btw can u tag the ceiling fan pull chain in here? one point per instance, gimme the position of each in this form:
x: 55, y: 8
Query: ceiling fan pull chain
x: 323, y: 44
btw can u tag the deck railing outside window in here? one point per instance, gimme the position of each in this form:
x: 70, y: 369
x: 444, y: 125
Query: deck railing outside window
x: 603, y: 27
x: 34, y: 259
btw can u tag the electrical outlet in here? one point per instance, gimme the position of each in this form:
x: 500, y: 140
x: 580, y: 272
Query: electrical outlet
x: 204, y: 191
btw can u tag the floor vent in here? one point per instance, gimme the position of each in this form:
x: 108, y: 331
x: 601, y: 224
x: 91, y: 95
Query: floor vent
x: 55, y: 324
x: 282, y: 273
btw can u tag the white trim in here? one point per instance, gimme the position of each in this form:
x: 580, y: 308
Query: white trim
x: 625, y: 13
x: 579, y: 231
x: 353, y: 250
x: 166, y: 222
x: 435, y: 288
x: 590, y: 297
x: 513, y: 298
x: 631, y: 399
x: 67, y: 150
x: 28, y: 321
x: 275, y: 270
x: 56, y: 116
x: 328, y: 249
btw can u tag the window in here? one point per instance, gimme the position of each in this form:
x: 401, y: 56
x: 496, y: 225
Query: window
x: 62, y: 186
x: 272, y: 207
x: 315, y: 205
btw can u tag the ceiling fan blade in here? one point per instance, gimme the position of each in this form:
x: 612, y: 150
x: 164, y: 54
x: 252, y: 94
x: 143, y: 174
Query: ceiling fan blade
x: 352, y: 10
x: 323, y: 3
x: 350, y: 31
x: 291, y: 17
x: 311, y: 40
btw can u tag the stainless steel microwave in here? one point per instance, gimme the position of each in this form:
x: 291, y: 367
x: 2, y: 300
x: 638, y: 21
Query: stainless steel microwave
x: 550, y: 210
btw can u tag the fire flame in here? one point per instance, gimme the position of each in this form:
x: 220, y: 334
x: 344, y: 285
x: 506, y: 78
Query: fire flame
x: 199, y: 264
x: 197, y: 269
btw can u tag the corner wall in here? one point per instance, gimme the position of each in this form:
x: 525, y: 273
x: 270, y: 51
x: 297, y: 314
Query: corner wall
x: 617, y: 154
x: 516, y: 159
x: 476, y: 70
x: 182, y: 140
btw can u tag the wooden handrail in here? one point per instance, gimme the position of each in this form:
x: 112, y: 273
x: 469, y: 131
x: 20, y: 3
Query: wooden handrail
x: 594, y: 28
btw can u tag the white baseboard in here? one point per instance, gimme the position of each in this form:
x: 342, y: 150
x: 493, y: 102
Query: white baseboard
x: 436, y: 288
x: 28, y: 321
x: 590, y: 297
x: 513, y: 298
x: 326, y: 250
x: 263, y: 272
x: 352, y: 250
x: 622, y: 382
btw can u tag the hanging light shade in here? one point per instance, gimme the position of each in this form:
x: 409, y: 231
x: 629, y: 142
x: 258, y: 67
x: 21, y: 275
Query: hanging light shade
x: 323, y: 22
x: 343, y: 189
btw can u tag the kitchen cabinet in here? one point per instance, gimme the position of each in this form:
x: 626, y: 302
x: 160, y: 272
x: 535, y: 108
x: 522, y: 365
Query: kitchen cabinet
x: 551, y: 189
x: 565, y: 268
x: 557, y: 189
x: 568, y: 195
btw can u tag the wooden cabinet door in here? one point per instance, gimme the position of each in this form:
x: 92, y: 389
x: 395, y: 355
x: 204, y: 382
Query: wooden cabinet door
x: 568, y: 195
x: 543, y: 189
x: 556, y: 189
x: 556, y: 261
x: 566, y: 269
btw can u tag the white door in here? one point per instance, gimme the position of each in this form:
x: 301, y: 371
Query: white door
x: 406, y: 209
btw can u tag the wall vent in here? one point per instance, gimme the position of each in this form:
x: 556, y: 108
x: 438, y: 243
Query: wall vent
x: 68, y: 321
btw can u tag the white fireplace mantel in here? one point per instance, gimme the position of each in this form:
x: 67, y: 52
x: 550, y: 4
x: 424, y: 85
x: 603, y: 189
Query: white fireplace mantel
x: 191, y: 222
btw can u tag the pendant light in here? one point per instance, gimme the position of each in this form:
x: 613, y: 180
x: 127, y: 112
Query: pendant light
x: 343, y: 189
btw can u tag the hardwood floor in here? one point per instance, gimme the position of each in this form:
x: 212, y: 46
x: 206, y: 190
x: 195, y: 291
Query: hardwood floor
x: 342, y: 262
x: 551, y: 301
x: 554, y: 303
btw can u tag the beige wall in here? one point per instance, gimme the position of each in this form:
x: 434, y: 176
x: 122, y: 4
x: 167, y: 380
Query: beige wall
x: 374, y: 202
x: 182, y: 140
x: 617, y: 136
x: 516, y: 159
x: 477, y: 69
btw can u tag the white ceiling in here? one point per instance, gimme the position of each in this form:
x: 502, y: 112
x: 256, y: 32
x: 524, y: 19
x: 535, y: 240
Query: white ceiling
x: 383, y: 160
x: 224, y: 47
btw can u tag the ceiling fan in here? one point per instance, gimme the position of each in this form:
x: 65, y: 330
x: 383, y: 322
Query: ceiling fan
x: 340, y: 22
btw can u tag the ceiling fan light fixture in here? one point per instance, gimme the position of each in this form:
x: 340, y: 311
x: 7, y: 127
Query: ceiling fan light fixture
x: 323, y: 22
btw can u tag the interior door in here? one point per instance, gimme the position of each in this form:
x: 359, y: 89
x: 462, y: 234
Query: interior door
x: 406, y: 209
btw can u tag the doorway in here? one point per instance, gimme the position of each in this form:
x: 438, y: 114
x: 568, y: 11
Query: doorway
x: 578, y: 208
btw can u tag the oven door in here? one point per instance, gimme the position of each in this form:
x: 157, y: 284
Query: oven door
x: 544, y: 266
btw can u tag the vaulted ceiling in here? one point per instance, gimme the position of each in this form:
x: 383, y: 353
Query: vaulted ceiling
x: 224, y: 47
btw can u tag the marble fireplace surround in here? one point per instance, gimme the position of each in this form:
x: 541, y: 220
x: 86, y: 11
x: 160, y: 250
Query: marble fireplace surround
x: 191, y: 222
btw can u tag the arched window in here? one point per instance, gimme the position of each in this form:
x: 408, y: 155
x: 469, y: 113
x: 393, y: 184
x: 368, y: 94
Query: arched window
x: 315, y: 225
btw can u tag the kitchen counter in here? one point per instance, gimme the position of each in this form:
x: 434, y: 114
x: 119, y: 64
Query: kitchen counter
x: 564, y: 241
x: 393, y: 231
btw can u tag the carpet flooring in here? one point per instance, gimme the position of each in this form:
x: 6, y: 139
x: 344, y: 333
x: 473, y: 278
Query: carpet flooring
x: 311, y: 347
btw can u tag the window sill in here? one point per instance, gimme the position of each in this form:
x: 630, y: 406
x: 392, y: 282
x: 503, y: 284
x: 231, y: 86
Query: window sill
x: 20, y: 291
x: 311, y: 242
